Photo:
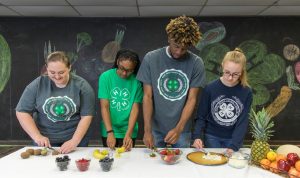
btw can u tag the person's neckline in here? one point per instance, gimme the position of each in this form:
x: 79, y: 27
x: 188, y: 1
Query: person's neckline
x: 226, y: 85
x: 64, y: 85
x: 173, y: 59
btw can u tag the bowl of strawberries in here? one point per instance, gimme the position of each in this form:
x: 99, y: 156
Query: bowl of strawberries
x: 170, y: 155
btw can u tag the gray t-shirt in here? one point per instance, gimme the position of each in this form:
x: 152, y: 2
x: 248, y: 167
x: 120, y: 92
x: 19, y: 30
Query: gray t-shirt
x: 58, y: 109
x: 170, y: 80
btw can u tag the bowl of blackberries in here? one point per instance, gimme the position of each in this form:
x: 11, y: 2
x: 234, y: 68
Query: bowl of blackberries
x: 106, y: 163
x: 83, y: 164
x: 62, y: 162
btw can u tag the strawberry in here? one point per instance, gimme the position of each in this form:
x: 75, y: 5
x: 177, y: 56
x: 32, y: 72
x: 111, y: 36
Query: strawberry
x: 163, y: 152
x: 169, y: 158
x: 177, y: 151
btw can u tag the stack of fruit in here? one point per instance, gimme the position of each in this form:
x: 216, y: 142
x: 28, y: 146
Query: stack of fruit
x: 100, y: 154
x: 282, y: 161
x: 279, y: 163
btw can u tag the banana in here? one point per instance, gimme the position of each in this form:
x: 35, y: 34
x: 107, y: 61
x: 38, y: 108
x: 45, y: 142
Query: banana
x: 121, y: 150
x: 97, y: 154
x: 5, y: 62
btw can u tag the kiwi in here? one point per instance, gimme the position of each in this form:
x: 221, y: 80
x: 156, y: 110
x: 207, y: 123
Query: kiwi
x: 30, y: 151
x: 44, y: 152
x: 37, y: 152
x: 25, y: 155
x: 55, y: 152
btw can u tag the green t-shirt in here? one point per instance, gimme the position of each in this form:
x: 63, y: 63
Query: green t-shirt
x: 122, y: 94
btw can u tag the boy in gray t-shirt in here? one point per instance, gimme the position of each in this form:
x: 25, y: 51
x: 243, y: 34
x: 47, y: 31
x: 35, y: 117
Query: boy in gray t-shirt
x: 172, y: 77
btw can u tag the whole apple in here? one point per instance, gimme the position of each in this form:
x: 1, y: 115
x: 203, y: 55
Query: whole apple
x: 283, y: 165
x: 292, y: 158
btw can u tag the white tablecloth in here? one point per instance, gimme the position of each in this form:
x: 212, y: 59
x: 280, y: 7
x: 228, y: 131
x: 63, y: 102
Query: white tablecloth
x: 133, y: 164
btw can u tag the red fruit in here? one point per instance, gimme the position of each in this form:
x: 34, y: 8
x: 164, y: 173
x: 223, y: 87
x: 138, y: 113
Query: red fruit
x: 292, y: 158
x: 163, y: 152
x: 283, y: 165
x: 177, y: 151
x: 169, y: 158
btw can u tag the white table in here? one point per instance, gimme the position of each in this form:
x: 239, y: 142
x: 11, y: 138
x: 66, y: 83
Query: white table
x: 133, y: 164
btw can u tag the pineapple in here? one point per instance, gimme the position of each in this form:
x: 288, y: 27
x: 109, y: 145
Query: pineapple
x: 261, y: 125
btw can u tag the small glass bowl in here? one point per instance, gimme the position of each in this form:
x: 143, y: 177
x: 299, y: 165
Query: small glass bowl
x: 83, y: 164
x: 170, y: 155
x: 106, y: 163
x: 238, y: 160
x: 62, y: 162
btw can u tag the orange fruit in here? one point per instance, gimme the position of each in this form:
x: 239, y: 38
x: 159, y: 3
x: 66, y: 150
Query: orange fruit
x: 265, y: 163
x: 280, y: 156
x: 293, y: 173
x: 271, y: 155
x: 273, y: 167
x: 297, y: 165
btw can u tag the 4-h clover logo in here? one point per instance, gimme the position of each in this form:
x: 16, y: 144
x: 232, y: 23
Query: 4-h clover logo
x: 173, y: 84
x: 120, y: 98
x: 225, y: 111
x: 60, y: 108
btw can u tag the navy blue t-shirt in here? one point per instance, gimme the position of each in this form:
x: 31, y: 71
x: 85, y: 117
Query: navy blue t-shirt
x: 224, y: 112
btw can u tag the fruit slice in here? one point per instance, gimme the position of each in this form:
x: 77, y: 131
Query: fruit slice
x: 5, y: 62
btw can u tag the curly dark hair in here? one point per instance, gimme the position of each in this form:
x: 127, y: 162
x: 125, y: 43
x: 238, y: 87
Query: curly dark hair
x: 127, y: 54
x: 184, y: 30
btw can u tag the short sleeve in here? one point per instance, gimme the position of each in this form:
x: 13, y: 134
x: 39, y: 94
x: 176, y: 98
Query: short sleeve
x: 144, y: 74
x: 103, y: 91
x: 139, y: 93
x: 198, y: 76
x: 27, y: 101
x: 87, y: 100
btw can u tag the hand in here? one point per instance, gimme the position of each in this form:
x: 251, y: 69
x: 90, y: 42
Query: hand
x: 172, y: 136
x: 111, y: 140
x: 198, y: 144
x: 229, y: 151
x: 148, y: 140
x: 127, y: 143
x: 42, y: 141
x: 68, y: 146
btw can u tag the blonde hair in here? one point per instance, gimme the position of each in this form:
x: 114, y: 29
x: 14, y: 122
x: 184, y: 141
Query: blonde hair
x: 237, y: 56
x: 58, y: 56
x: 184, y: 30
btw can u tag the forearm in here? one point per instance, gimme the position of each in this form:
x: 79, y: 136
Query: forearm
x: 132, y: 118
x: 106, y: 114
x: 147, y: 113
x: 188, y: 109
x: 82, y: 128
x: 186, y: 114
x: 28, y: 124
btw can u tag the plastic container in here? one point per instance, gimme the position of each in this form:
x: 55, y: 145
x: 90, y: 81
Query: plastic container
x: 83, y: 164
x: 106, y: 163
x: 62, y: 162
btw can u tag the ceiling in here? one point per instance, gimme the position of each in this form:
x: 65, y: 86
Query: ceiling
x: 147, y: 8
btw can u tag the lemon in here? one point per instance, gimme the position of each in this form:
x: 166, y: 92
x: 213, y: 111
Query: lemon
x: 271, y: 155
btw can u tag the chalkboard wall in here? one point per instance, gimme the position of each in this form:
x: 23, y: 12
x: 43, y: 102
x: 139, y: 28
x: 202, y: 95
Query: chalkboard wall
x: 91, y: 43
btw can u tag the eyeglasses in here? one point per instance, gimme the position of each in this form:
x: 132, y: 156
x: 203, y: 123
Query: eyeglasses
x: 233, y: 75
x: 123, y: 69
